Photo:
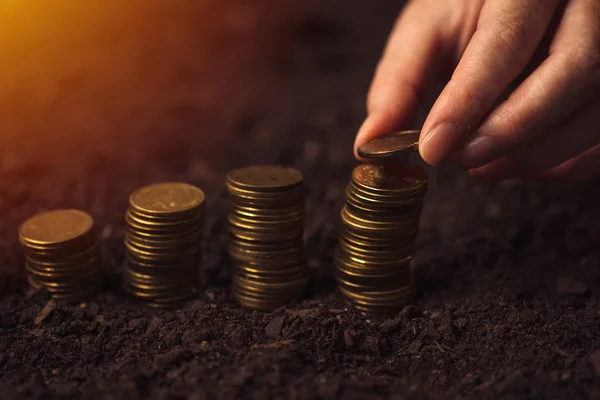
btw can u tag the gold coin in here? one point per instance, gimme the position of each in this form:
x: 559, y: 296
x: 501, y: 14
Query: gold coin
x: 372, y: 282
x: 184, y: 226
x: 283, y: 277
x: 395, y: 206
x: 395, y: 298
x: 341, y: 258
x: 291, y: 272
x: 168, y: 266
x: 367, y: 248
x: 266, y: 246
x: 281, y: 202
x: 163, y: 247
x: 392, y: 144
x: 171, y: 301
x: 386, y: 179
x: 359, y: 256
x: 258, y: 304
x: 167, y: 199
x: 380, y: 208
x: 153, y: 287
x: 165, y: 257
x: 372, y: 223
x: 265, y: 178
x: 59, y: 228
x: 150, y: 243
x: 50, y: 270
x: 266, y: 226
x: 266, y: 264
x: 261, y: 236
x: 282, y: 297
x: 66, y: 294
x: 376, y: 239
x: 260, y: 286
x: 397, y: 196
x: 165, y: 296
x: 362, y: 262
x: 83, y: 280
x: 175, y: 219
x: 274, y: 220
x: 281, y: 195
x: 268, y: 212
x: 267, y: 260
x: 59, y: 261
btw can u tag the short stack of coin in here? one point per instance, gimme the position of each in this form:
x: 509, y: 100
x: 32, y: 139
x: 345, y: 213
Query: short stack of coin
x: 380, y: 221
x: 163, y: 243
x: 266, y: 224
x: 62, y: 254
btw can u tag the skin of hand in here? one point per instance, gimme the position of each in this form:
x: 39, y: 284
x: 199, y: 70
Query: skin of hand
x: 547, y: 128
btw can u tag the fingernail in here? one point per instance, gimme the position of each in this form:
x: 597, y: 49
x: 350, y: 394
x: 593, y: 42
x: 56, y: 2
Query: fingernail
x: 476, y: 152
x: 438, y: 142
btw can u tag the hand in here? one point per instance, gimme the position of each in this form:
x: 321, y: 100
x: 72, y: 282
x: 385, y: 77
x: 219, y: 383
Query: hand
x: 549, y: 126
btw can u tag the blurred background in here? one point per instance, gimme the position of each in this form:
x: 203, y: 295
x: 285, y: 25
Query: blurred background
x: 98, y: 98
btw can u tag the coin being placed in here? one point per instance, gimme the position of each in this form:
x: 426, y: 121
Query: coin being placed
x: 393, y: 144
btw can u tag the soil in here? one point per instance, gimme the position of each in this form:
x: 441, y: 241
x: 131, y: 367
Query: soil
x: 97, y: 101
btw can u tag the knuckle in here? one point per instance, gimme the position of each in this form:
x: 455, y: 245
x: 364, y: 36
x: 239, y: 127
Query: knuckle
x: 587, y: 60
x: 515, y: 126
x: 512, y: 37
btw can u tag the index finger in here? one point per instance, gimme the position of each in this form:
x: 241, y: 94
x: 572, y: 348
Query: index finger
x: 406, y: 70
x: 508, y: 34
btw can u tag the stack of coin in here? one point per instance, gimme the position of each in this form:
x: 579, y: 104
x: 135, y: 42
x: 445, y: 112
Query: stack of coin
x: 62, y: 254
x: 380, y: 221
x: 266, y: 225
x: 163, y: 243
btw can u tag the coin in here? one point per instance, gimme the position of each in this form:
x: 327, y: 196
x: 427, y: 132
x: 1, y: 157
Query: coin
x: 381, y: 178
x: 59, y: 228
x: 62, y: 254
x: 166, y: 199
x: 393, y: 144
x: 265, y: 178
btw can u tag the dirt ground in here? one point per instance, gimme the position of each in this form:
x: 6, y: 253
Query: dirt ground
x: 98, y: 100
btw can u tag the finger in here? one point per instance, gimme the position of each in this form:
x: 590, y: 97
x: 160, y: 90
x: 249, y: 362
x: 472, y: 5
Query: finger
x: 406, y: 71
x: 576, y: 135
x: 578, y: 169
x: 561, y: 84
x: 509, y: 32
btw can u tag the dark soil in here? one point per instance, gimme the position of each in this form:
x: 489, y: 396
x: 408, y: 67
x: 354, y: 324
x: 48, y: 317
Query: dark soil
x: 97, y: 101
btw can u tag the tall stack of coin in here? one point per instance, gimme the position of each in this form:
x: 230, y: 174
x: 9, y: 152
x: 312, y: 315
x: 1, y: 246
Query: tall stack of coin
x: 62, y: 254
x: 380, y: 221
x: 163, y: 243
x: 266, y: 225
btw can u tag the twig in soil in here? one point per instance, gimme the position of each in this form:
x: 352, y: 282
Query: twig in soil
x: 439, y: 346
x: 47, y: 310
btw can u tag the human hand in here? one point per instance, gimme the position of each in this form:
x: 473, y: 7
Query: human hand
x: 549, y: 126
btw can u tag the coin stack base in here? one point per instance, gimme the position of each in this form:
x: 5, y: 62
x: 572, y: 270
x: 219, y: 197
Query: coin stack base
x: 266, y: 224
x: 62, y: 254
x: 380, y: 221
x: 163, y: 243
